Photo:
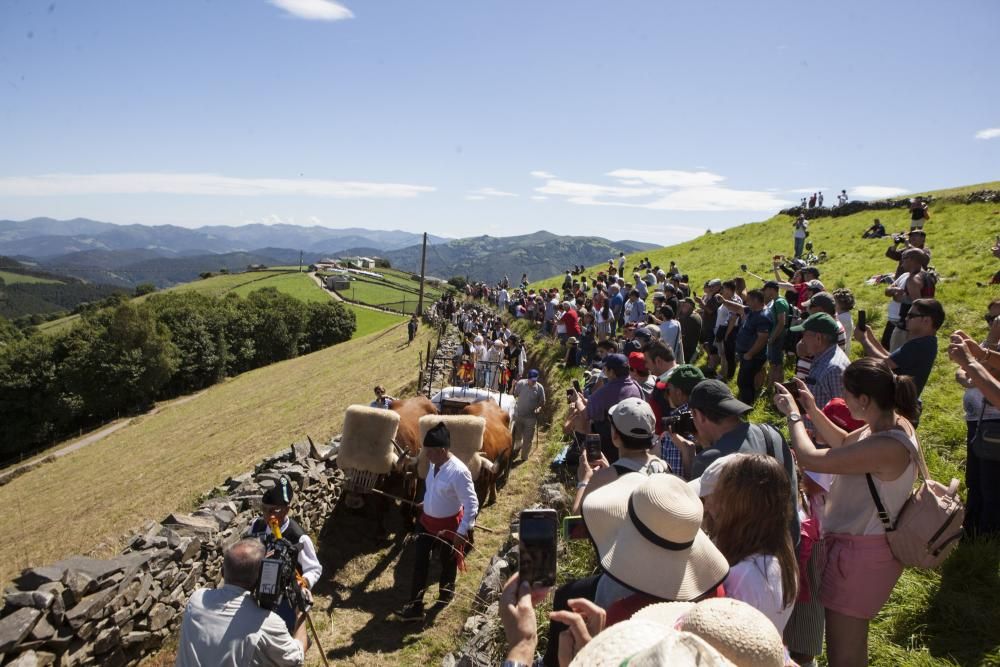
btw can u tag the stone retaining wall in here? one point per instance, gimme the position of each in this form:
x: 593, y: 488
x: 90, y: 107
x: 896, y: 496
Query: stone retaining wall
x: 89, y: 611
x: 852, y: 207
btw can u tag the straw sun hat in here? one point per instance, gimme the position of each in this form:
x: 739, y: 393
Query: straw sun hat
x: 639, y: 520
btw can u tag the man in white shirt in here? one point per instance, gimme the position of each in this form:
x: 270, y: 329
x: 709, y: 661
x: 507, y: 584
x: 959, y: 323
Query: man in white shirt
x: 448, y: 515
x: 224, y: 627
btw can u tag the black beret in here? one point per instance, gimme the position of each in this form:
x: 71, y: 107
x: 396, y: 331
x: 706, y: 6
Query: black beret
x: 438, y: 436
x: 279, y: 494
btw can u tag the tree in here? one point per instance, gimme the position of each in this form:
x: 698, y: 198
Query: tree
x: 32, y: 407
x: 327, y: 324
x: 118, y: 360
x: 458, y: 282
x: 279, y: 322
x: 8, y: 332
x: 197, y: 327
x: 144, y: 288
x: 382, y: 263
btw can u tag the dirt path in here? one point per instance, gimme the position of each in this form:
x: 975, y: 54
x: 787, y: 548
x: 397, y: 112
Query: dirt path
x: 366, y: 578
x: 319, y: 281
x: 89, y: 439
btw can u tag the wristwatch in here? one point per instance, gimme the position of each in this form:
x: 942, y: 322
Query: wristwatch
x: 794, y: 417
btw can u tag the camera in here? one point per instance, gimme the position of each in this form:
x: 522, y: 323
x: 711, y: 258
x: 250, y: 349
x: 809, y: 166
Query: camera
x: 682, y: 422
x: 902, y: 237
x: 277, y: 579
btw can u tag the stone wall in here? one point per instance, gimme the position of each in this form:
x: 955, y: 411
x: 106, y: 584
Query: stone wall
x: 89, y: 611
x: 852, y: 207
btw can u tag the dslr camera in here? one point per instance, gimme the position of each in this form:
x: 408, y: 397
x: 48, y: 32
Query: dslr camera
x: 682, y: 422
x: 901, y: 237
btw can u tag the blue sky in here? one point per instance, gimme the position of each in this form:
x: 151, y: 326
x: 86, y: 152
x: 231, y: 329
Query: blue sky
x: 642, y: 120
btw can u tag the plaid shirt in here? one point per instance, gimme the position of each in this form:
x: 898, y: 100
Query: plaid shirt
x: 669, y: 451
x: 826, y: 375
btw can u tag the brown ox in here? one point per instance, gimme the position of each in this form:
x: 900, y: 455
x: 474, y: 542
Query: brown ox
x: 497, y: 447
x: 405, y: 482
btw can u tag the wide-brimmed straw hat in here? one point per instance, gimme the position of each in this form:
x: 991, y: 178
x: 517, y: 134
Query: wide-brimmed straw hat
x: 615, y: 644
x: 678, y: 649
x: 637, y: 520
x: 737, y: 630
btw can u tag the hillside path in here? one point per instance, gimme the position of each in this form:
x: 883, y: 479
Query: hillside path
x: 319, y: 281
x: 89, y: 439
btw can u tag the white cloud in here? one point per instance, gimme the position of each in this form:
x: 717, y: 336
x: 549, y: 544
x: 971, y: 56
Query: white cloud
x: 988, y: 133
x: 475, y: 197
x: 668, y: 178
x: 542, y: 174
x: 539, y: 197
x: 876, y: 191
x: 48, y: 185
x: 493, y: 192
x: 315, y: 10
x: 809, y: 191
x: 665, y: 190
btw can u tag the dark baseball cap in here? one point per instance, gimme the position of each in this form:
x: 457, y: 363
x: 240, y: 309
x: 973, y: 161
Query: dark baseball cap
x: 685, y: 377
x: 772, y: 284
x: 820, y: 323
x: 714, y: 397
x: 822, y: 300
x: 616, y: 362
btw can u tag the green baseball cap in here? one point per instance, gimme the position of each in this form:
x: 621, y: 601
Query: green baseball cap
x: 820, y: 323
x: 684, y: 377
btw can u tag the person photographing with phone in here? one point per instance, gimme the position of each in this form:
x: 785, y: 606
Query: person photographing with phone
x: 448, y: 514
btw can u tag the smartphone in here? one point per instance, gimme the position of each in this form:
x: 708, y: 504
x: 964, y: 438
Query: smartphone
x: 592, y: 443
x: 792, y: 388
x: 576, y: 385
x: 573, y: 528
x: 862, y: 320
x: 571, y: 395
x: 537, y: 533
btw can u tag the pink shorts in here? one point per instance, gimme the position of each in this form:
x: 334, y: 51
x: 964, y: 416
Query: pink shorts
x: 859, y: 574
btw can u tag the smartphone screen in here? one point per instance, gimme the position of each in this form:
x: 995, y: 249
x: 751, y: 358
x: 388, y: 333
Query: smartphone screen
x: 574, y: 528
x: 862, y: 320
x: 576, y: 385
x: 571, y: 395
x: 593, y: 446
x: 537, y: 547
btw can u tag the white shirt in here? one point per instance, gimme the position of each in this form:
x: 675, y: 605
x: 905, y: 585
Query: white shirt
x: 756, y: 580
x: 224, y: 627
x: 450, y: 490
x: 848, y: 324
x: 894, y: 305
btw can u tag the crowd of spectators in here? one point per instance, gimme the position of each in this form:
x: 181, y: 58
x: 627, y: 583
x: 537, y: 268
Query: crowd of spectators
x: 690, y: 500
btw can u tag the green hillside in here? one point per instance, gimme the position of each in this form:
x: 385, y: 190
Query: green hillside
x: 944, y: 617
x: 11, y: 278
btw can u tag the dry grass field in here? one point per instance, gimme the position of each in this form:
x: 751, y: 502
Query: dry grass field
x: 88, y: 501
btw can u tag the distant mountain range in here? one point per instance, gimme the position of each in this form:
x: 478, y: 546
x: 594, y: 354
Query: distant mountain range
x: 41, y: 238
x: 489, y: 258
x: 127, y: 255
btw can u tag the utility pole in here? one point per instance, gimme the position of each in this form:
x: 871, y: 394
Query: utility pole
x: 423, y: 267
x: 300, y: 261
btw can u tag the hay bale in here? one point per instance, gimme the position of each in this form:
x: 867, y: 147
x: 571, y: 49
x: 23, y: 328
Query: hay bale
x: 366, y: 443
x: 466, y: 440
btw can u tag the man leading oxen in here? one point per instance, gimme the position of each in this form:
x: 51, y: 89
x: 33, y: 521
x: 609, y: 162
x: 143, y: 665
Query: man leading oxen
x: 448, y: 515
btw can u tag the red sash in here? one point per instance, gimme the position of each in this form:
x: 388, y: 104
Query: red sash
x: 449, y: 526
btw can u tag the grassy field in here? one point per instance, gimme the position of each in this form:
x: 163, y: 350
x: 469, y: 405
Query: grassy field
x: 369, y: 321
x: 221, y: 284
x: 943, y: 617
x: 12, y: 278
x: 170, y: 458
x: 299, y: 285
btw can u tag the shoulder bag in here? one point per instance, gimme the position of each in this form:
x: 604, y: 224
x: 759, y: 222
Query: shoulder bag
x: 929, y: 524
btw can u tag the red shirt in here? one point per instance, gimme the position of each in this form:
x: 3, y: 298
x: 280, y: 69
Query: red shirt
x: 572, y: 321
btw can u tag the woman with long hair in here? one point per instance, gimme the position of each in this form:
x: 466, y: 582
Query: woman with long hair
x: 750, y: 514
x: 860, y: 570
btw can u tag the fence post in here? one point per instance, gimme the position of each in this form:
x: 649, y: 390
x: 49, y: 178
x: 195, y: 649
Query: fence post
x: 428, y: 352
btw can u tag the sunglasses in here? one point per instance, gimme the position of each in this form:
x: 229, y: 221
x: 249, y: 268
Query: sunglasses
x: 989, y: 318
